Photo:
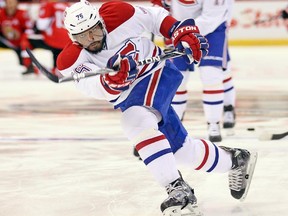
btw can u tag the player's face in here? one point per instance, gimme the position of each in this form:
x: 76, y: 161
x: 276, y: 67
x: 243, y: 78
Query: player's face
x: 92, y: 39
x: 11, y: 6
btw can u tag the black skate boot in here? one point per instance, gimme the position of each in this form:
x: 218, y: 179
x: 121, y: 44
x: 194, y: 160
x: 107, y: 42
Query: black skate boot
x: 240, y: 176
x: 229, y: 117
x: 29, y: 70
x: 181, y: 200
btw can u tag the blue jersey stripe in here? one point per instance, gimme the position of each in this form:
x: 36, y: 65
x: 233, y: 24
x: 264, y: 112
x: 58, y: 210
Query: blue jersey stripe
x: 216, y: 159
x: 229, y: 89
x: 213, y: 102
x: 157, y: 155
x: 179, y: 102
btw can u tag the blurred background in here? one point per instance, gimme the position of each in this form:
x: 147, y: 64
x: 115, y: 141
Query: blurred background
x: 255, y: 22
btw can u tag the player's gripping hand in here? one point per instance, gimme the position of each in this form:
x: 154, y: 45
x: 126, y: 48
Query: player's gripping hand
x: 125, y: 72
x: 186, y: 37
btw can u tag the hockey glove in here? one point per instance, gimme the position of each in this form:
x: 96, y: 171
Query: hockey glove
x: 186, y: 37
x: 125, y: 72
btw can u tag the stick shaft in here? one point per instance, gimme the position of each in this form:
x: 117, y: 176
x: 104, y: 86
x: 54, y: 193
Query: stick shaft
x: 56, y: 79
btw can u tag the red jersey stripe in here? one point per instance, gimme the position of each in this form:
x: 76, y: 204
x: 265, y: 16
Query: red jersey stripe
x: 205, y: 156
x: 152, y: 87
x: 213, y: 91
x: 149, y: 142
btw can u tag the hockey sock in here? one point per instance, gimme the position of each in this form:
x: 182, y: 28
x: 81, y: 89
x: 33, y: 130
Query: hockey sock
x: 203, y: 155
x: 213, y: 93
x: 140, y: 125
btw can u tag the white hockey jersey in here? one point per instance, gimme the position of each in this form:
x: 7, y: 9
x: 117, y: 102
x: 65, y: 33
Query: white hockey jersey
x: 208, y: 14
x: 125, y: 25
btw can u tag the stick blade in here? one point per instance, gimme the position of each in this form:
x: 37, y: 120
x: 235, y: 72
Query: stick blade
x: 42, y: 69
x: 272, y: 136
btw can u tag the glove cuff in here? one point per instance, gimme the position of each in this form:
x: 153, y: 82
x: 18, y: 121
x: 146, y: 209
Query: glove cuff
x: 174, y: 24
x: 168, y: 25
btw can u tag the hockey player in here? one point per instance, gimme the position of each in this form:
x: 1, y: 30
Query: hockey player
x: 212, y: 18
x: 50, y: 23
x: 15, y: 24
x: 111, y: 36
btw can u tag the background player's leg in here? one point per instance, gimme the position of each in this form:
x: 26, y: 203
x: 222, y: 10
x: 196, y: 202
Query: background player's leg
x: 213, y: 97
x: 229, y: 99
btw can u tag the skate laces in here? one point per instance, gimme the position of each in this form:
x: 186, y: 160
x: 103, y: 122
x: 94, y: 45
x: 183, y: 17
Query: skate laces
x: 174, y: 186
x: 236, y: 175
x: 236, y: 179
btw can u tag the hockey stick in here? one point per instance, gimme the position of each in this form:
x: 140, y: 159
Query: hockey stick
x: 78, y: 76
x: 273, y: 136
x: 8, y: 43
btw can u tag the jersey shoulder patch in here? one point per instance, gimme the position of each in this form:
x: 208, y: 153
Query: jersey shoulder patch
x: 68, y: 56
x: 115, y: 13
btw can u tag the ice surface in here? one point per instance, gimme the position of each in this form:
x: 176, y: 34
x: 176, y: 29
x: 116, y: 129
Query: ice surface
x: 64, y: 154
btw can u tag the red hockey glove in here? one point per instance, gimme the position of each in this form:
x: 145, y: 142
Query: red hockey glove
x: 125, y: 72
x: 186, y: 37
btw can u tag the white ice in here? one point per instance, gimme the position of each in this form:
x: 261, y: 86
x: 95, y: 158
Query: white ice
x: 64, y: 154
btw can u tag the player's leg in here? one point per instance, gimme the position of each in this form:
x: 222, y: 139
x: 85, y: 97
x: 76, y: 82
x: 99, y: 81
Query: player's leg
x: 229, y: 99
x: 205, y: 156
x: 25, y: 59
x: 211, y: 67
x: 179, y: 102
x: 55, y: 53
x: 181, y: 198
x: 212, y: 97
x: 151, y: 128
x: 154, y: 148
x: 140, y: 125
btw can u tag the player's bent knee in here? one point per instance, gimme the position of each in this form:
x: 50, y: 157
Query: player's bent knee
x: 137, y: 119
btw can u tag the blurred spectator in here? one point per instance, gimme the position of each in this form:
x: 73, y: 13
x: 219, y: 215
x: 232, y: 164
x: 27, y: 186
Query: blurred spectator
x: 50, y: 24
x: 284, y: 13
x: 2, y: 3
x: 284, y: 16
x: 15, y: 26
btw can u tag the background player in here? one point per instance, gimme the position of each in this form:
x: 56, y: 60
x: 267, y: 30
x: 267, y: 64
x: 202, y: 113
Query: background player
x: 50, y: 24
x: 15, y: 27
x: 213, y: 18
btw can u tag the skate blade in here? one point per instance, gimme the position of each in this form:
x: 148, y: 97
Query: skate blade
x: 189, y: 210
x: 250, y: 172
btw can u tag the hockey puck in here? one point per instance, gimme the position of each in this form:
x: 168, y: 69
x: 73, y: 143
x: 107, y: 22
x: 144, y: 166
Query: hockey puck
x: 251, y: 129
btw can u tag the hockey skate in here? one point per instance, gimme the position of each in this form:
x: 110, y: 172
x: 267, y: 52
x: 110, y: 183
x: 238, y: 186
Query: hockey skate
x: 181, y: 200
x: 214, y: 134
x: 229, y: 117
x: 240, y: 176
x: 29, y: 70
